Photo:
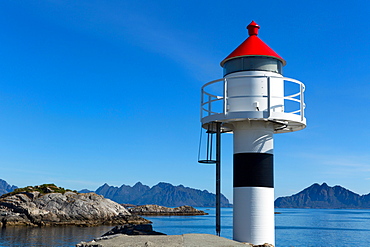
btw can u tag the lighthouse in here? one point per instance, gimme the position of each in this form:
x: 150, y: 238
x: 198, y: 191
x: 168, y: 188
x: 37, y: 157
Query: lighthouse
x: 253, y: 101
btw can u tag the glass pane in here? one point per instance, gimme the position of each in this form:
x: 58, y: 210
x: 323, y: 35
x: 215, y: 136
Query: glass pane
x: 253, y: 63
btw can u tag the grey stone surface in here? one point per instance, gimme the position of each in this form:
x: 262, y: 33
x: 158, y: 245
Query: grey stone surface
x: 186, y: 240
x: 131, y: 229
x: 36, y: 209
x: 194, y: 240
x: 160, y: 210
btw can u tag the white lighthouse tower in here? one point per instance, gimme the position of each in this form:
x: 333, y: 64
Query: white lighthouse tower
x: 254, y: 101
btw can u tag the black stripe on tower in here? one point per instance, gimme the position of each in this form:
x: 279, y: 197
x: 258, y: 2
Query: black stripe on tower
x: 254, y: 170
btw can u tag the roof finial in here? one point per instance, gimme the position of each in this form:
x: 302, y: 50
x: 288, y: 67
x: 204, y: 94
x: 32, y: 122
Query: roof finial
x: 253, y: 28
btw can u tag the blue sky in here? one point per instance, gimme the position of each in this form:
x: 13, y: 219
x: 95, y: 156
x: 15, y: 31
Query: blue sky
x: 95, y: 92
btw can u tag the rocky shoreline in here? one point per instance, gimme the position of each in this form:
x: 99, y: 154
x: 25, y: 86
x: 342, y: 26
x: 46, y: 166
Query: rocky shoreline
x: 50, y: 205
x: 34, y: 207
x: 155, y: 210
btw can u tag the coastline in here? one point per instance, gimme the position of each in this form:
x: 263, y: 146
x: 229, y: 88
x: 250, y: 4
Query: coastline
x: 298, y: 227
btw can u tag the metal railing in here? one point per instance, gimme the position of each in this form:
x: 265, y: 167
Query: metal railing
x: 209, y: 100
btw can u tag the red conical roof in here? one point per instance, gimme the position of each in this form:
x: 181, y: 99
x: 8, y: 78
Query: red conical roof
x: 253, y: 46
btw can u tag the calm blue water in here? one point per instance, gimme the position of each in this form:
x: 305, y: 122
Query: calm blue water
x: 294, y: 227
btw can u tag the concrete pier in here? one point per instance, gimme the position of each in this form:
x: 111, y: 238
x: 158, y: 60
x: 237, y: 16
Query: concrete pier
x: 185, y: 240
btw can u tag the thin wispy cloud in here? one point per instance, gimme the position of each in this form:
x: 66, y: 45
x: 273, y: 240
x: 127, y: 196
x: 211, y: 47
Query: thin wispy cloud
x: 141, y: 29
x: 82, y: 183
x: 339, y: 164
x: 335, y: 158
x: 26, y: 171
x: 175, y: 44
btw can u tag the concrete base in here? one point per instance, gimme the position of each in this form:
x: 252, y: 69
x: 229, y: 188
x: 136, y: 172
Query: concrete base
x: 185, y: 240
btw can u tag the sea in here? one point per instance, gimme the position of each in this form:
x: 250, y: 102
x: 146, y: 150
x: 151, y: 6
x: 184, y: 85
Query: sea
x: 294, y: 228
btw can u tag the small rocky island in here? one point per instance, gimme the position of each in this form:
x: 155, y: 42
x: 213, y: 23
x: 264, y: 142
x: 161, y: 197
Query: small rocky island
x: 50, y: 205
x: 155, y: 210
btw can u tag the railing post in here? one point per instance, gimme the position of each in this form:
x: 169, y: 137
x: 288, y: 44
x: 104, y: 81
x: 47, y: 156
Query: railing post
x: 302, y: 102
x: 218, y: 178
x: 201, y: 102
x: 209, y: 105
x: 224, y: 96
x: 268, y: 96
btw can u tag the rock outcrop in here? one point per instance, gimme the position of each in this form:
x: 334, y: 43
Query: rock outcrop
x: 34, y: 208
x: 130, y: 229
x: 156, y: 210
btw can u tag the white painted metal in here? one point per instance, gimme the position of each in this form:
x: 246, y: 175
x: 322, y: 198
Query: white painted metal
x: 239, y: 94
x: 244, y: 92
x: 253, y: 210
x: 253, y: 219
x: 253, y: 137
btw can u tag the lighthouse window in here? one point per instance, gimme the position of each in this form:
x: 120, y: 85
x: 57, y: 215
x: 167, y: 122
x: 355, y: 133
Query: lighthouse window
x: 253, y: 63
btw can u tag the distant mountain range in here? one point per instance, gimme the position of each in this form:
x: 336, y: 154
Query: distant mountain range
x: 165, y: 194
x: 162, y: 194
x: 324, y: 196
x: 5, y: 187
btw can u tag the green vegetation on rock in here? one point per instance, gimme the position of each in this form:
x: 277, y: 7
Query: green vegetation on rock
x: 43, y: 189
